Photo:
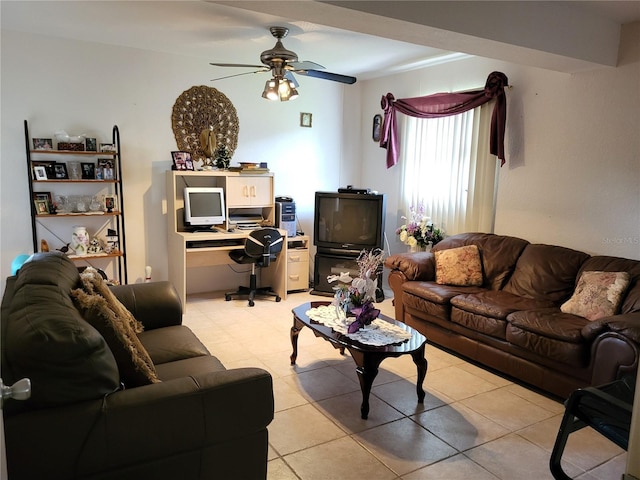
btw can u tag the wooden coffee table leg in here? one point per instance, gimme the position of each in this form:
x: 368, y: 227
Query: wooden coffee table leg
x: 421, y: 363
x: 295, y: 330
x: 367, y: 368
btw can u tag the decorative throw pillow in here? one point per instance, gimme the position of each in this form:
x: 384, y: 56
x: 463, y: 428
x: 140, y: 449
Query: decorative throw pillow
x: 99, y: 307
x: 597, y: 294
x: 459, y: 266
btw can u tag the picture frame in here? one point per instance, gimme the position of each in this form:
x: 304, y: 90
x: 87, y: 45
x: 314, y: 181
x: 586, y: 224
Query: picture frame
x: 109, y: 202
x: 182, y: 160
x: 40, y: 172
x: 104, y: 170
x: 377, y: 125
x: 306, y: 119
x: 60, y: 170
x: 48, y: 166
x: 42, y: 144
x: 91, y: 144
x: 42, y: 208
x: 88, y: 170
x: 43, y: 202
x: 107, y: 147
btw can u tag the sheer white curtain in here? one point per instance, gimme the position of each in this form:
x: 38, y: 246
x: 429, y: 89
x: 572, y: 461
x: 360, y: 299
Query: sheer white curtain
x: 446, y: 170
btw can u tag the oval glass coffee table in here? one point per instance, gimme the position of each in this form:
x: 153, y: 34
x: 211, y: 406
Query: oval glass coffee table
x: 367, y: 357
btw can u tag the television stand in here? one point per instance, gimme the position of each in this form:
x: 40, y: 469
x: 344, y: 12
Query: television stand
x: 329, y: 263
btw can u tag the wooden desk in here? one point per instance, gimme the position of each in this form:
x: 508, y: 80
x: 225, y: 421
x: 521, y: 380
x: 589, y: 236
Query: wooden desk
x: 184, y: 253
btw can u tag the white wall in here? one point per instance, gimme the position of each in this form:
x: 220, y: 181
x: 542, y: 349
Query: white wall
x: 572, y: 175
x: 87, y: 88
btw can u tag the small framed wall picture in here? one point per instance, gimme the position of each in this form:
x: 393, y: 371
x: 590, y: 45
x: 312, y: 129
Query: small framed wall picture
x: 182, y: 161
x: 306, y: 119
x: 42, y: 144
x: 88, y: 170
x: 60, y: 170
x: 40, y: 172
x: 91, y: 145
x: 377, y: 125
x: 104, y: 170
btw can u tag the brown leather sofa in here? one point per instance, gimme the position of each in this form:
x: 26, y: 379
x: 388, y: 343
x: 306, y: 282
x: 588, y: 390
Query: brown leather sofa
x: 200, y: 421
x: 513, y: 322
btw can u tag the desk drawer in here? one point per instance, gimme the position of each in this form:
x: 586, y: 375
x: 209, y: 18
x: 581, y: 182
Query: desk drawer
x: 298, y: 275
x: 295, y: 256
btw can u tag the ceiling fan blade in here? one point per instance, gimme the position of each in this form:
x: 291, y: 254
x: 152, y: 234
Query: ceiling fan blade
x: 289, y: 76
x: 236, y: 65
x: 305, y: 65
x: 335, y: 77
x: 238, y: 74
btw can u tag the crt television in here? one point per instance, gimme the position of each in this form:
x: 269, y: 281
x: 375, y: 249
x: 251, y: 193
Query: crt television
x: 348, y: 221
x: 204, y: 206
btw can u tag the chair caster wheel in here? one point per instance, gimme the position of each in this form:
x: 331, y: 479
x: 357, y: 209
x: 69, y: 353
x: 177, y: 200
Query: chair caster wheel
x: 251, y: 303
x: 227, y: 297
x: 278, y: 299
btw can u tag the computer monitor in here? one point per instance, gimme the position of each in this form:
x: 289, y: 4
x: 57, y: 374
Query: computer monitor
x: 204, y: 206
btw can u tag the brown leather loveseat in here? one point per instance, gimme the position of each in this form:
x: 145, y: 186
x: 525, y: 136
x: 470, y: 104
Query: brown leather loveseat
x: 182, y: 415
x: 516, y: 317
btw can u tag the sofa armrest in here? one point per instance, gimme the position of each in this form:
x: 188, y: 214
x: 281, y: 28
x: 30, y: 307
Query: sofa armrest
x: 627, y: 325
x: 414, y: 266
x: 140, y: 425
x: 155, y: 304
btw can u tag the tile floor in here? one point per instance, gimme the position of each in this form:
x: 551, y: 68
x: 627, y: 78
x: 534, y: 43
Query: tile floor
x: 473, y: 423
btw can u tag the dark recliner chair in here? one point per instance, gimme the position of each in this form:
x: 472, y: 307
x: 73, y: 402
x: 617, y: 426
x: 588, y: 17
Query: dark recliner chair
x: 262, y: 246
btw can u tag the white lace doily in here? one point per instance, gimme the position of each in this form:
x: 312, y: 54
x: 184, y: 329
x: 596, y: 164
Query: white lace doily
x: 378, y: 333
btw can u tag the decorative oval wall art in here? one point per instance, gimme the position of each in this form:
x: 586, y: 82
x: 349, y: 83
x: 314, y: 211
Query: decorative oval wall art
x: 200, y: 109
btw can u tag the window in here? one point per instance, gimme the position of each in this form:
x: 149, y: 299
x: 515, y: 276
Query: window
x: 443, y: 171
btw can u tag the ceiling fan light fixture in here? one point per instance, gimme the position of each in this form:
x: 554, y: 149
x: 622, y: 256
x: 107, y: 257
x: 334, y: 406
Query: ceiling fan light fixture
x: 294, y: 93
x: 270, y: 91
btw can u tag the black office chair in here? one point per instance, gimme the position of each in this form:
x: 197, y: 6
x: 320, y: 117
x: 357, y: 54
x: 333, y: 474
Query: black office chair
x: 262, y: 246
x: 606, y: 409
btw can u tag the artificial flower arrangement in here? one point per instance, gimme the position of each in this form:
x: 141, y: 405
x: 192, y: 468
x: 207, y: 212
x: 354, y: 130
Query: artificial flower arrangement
x: 355, y: 296
x: 419, y: 229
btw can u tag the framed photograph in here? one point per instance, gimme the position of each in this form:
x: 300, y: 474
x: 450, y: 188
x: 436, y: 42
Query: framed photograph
x: 42, y: 144
x: 42, y: 207
x: 107, y: 147
x: 104, y: 170
x: 88, y: 170
x: 305, y: 119
x: 182, y: 161
x: 43, y: 202
x: 60, y: 170
x: 377, y: 125
x: 40, y: 172
x: 109, y: 202
x: 91, y: 144
x: 48, y: 166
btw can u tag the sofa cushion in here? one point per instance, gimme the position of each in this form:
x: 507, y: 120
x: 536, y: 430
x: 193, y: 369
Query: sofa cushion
x: 487, y: 311
x: 46, y: 339
x: 550, y: 334
x: 498, y: 254
x: 459, y: 266
x: 631, y: 300
x: 597, y: 294
x: 170, y: 344
x: 546, y: 272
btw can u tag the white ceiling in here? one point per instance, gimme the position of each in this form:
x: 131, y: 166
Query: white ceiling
x: 227, y: 34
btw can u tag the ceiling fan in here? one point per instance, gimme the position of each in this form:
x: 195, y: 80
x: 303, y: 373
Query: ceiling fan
x: 283, y: 63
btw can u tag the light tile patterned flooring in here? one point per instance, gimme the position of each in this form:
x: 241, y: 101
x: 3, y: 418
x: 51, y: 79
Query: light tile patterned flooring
x: 473, y: 423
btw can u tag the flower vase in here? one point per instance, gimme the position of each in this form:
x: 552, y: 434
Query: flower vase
x: 80, y: 240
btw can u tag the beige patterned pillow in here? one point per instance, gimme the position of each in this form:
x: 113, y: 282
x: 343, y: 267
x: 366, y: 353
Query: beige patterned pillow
x: 459, y: 266
x: 597, y: 294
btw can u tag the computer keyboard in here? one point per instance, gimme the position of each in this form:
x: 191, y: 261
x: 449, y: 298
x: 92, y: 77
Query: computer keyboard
x: 214, y: 243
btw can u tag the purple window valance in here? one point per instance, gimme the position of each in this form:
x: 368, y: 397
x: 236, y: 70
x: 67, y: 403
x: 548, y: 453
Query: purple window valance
x: 443, y: 105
